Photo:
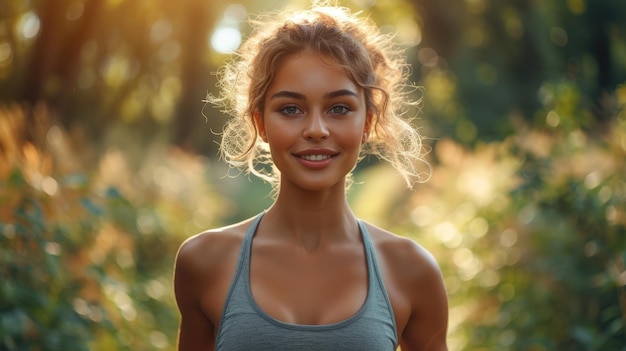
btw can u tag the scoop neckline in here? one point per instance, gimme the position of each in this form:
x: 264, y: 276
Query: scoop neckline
x: 298, y: 326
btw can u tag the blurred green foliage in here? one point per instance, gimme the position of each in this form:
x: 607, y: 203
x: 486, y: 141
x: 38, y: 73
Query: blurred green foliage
x: 87, y: 254
x: 530, y: 233
x: 103, y: 173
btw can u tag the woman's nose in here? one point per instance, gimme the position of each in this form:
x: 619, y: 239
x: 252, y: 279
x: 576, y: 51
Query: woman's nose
x: 315, y: 128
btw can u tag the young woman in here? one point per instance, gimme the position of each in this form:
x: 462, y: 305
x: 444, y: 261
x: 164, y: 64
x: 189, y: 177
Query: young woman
x: 310, y: 93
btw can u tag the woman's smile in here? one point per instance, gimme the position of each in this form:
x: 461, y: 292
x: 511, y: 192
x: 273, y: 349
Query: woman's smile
x: 316, y: 159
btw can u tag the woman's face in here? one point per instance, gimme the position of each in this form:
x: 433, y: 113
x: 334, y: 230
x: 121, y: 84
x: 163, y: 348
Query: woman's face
x: 315, y: 121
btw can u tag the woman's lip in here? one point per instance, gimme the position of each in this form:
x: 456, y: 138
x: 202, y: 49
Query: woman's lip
x: 316, y: 159
x: 315, y: 152
x: 316, y: 164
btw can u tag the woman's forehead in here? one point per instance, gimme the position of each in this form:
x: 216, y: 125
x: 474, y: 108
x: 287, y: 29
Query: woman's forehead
x: 309, y: 70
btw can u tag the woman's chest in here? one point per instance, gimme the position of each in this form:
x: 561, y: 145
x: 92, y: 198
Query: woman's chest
x: 308, y: 288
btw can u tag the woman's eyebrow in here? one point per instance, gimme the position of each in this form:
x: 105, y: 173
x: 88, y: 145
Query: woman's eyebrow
x: 338, y: 93
x: 330, y: 95
x: 288, y: 94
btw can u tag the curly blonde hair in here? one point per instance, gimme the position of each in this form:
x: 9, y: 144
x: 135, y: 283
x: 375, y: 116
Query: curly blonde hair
x: 356, y: 44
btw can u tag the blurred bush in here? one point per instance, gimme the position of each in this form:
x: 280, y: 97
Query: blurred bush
x: 87, y: 253
x: 530, y: 233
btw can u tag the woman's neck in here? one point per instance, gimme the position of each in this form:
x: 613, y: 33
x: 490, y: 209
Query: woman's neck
x: 311, y: 219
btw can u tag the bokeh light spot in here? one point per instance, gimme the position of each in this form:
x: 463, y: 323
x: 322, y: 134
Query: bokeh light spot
x: 506, y: 292
x: 478, y: 227
x: 49, y: 186
x: 226, y: 40
x: 593, y: 179
x: 428, y: 57
x: 590, y: 249
x: 29, y: 25
x: 124, y: 258
x: 489, y: 278
x: 507, y: 338
x: 553, y: 119
x: 54, y: 137
x: 155, y: 289
x: 558, y: 36
x: 508, y: 238
x: 447, y: 233
x: 74, y: 11
x: 463, y: 257
x: 235, y: 13
x: 170, y: 51
x: 409, y: 31
x: 605, y: 194
x: 422, y: 216
x: 160, y: 30
x: 158, y: 340
x: 53, y: 248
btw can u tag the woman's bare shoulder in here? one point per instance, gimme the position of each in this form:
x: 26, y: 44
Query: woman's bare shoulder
x: 400, y: 252
x: 211, y: 248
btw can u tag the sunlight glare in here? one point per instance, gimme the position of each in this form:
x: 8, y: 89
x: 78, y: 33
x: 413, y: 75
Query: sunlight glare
x: 226, y: 40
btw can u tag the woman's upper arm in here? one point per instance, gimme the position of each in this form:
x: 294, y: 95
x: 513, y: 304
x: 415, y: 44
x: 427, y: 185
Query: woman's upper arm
x: 426, y: 329
x: 196, y: 332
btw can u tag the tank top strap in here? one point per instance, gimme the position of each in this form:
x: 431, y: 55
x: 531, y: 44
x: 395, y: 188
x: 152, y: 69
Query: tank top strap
x: 247, y: 240
x: 373, y: 270
x: 243, y: 266
x: 242, y: 271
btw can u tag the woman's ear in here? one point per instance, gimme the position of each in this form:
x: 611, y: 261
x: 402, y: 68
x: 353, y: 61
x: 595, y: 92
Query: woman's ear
x: 260, y: 126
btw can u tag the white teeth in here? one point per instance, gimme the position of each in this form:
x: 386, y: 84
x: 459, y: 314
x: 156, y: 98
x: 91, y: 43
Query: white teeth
x: 315, y: 157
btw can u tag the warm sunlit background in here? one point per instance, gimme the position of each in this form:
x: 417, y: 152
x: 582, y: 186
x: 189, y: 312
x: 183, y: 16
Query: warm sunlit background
x: 108, y: 161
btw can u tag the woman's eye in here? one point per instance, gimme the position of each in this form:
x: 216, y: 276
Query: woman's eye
x: 340, y: 109
x: 290, y: 110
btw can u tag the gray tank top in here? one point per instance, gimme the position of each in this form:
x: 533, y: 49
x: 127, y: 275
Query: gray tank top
x: 244, y: 326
